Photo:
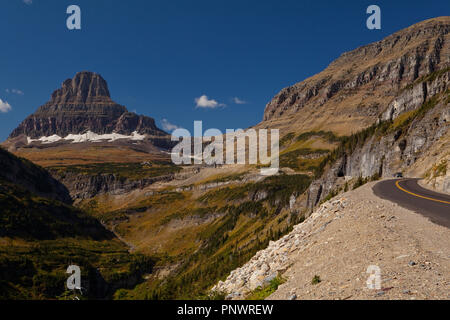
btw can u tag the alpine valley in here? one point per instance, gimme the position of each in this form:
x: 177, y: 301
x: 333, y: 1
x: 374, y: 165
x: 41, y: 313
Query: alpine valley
x: 84, y: 181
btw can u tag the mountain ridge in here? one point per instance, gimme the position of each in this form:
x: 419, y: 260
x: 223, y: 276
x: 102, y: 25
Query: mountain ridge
x: 357, y: 87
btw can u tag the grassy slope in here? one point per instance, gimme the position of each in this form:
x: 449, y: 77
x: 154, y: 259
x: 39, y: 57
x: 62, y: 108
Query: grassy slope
x: 205, y: 235
x: 77, y: 154
x: 303, y: 153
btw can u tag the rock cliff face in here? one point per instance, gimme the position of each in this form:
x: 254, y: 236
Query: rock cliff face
x: 401, y: 81
x: 84, y: 104
x: 88, y: 186
x: 357, y: 87
x: 418, y: 119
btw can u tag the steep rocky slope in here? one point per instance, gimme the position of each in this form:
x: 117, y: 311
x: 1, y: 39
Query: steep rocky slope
x: 377, y: 110
x: 434, y: 166
x: 396, y: 143
x: 359, y: 86
x: 388, y: 112
x: 327, y: 256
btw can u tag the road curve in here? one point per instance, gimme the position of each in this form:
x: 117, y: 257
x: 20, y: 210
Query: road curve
x: 408, y: 194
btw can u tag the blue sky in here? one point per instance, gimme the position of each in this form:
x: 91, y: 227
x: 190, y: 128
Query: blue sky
x: 159, y: 56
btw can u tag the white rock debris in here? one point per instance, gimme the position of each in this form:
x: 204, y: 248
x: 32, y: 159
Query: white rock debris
x: 277, y: 257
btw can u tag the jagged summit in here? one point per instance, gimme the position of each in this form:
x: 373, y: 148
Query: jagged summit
x: 83, y: 105
x: 86, y: 87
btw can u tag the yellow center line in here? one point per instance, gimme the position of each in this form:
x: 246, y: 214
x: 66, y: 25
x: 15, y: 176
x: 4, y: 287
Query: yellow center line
x: 418, y: 195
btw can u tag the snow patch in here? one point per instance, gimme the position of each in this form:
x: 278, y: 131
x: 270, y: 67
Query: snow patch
x: 89, y: 137
x: 45, y: 140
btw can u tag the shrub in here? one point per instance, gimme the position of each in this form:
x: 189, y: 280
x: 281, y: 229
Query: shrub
x: 316, y: 280
x: 361, y: 181
x: 261, y: 293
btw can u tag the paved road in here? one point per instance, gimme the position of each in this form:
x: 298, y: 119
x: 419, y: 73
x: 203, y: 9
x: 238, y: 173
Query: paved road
x: 408, y: 194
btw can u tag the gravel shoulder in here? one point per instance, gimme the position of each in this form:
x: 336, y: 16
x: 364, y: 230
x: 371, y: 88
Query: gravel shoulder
x: 412, y: 253
x: 338, y: 243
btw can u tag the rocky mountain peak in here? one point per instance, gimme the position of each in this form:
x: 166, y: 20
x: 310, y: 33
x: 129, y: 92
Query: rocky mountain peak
x: 83, y: 104
x: 85, y: 87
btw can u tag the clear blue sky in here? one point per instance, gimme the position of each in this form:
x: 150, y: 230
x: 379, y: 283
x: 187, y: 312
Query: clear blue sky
x: 158, y: 56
